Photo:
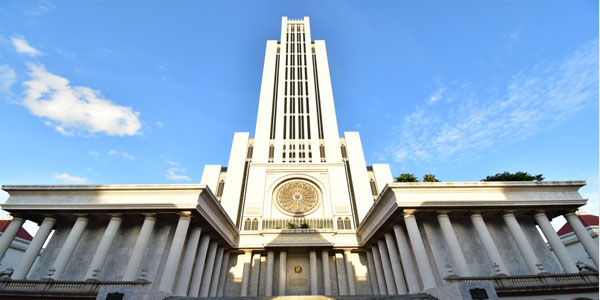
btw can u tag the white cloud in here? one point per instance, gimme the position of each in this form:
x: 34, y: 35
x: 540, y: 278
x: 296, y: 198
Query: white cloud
x: 172, y: 174
x: 76, y: 109
x: 472, y: 121
x: 172, y: 163
x: 94, y: 153
x: 437, y: 94
x: 23, y: 47
x: 7, y: 78
x: 68, y: 178
x: 125, y: 155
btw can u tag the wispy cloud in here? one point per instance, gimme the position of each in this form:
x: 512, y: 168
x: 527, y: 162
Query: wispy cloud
x: 124, y: 155
x: 76, y: 109
x: 23, y: 47
x: 476, y: 120
x: 69, y: 178
x: 7, y: 78
x: 172, y: 174
x: 172, y: 163
x: 94, y: 153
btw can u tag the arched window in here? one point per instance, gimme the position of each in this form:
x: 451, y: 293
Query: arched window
x: 247, y: 224
x: 255, y: 224
x: 347, y: 223
x: 340, y: 223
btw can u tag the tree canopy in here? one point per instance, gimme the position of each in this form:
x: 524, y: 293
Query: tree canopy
x: 518, y: 176
x: 406, y: 177
x: 430, y: 178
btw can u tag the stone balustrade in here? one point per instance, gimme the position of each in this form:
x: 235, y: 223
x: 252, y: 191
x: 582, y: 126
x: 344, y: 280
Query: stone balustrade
x: 297, y: 223
x: 516, y: 285
x: 89, y: 287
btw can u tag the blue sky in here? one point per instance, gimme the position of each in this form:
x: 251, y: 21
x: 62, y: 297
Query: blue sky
x: 149, y: 92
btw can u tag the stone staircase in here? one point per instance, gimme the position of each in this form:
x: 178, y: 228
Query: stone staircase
x: 310, y: 297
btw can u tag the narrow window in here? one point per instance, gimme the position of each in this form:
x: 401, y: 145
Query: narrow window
x: 373, y: 187
x: 250, y: 150
x: 344, y: 155
x: 340, y: 223
x: 247, y: 224
x: 271, y: 152
x: 220, y: 187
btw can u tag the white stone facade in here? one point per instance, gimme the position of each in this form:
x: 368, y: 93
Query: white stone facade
x: 298, y: 212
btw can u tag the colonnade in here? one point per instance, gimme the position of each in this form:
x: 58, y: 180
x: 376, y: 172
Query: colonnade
x: 399, y: 255
x: 203, y: 261
x: 251, y: 271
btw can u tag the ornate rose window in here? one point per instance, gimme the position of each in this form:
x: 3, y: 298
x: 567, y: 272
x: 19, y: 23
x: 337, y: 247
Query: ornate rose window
x: 297, y: 197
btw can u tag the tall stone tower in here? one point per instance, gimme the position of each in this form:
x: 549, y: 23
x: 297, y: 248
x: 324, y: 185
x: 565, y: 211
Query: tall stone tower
x: 297, y: 165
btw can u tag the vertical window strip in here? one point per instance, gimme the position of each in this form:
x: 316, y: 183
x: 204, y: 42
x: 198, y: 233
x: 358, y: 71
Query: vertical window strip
x: 318, y: 98
x: 274, y: 105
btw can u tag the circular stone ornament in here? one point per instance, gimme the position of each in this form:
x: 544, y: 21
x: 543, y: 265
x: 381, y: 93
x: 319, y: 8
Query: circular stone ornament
x: 297, y: 197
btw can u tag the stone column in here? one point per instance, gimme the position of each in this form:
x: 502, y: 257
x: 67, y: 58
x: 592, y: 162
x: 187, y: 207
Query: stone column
x: 168, y: 278
x: 104, y: 247
x: 208, y: 270
x: 9, y: 234
x: 419, y: 250
x: 379, y: 270
x: 34, y: 249
x: 313, y: 272
x: 269, y: 279
x: 488, y: 242
x: 584, y: 237
x: 340, y: 266
x: 61, y: 261
x: 223, y: 274
x: 282, y: 272
x: 410, y: 271
x: 558, y: 247
x: 371, y: 271
x: 254, y: 275
x: 390, y: 283
x: 185, y: 272
x: 522, y: 242
x: 326, y: 272
x: 396, y: 266
x: 194, y: 289
x: 349, y: 272
x: 453, y: 245
x: 246, y: 273
x: 214, y: 283
x: 139, y: 249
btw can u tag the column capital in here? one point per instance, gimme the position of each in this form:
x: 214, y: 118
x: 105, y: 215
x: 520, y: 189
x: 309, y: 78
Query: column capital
x: 185, y: 214
x: 149, y: 215
x: 397, y: 225
x: 409, y: 212
x: 571, y: 212
x: 539, y: 212
x: 508, y: 212
x: 116, y: 216
x: 443, y: 214
x: 476, y: 211
x: 81, y: 215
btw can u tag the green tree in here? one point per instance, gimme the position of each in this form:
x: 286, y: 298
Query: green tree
x: 518, y: 176
x: 406, y: 177
x: 430, y: 178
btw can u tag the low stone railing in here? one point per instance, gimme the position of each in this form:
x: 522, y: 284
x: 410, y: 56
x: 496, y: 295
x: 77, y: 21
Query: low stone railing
x: 509, y: 285
x: 297, y: 223
x: 50, y: 286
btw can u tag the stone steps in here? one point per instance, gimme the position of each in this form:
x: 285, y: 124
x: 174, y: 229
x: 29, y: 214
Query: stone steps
x: 311, y: 297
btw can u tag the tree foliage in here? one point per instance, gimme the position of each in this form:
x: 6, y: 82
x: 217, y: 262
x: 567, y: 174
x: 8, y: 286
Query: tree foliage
x: 518, y: 176
x: 430, y: 178
x: 406, y: 177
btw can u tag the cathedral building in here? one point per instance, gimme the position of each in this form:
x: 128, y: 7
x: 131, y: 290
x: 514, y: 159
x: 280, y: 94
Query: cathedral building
x: 297, y: 211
